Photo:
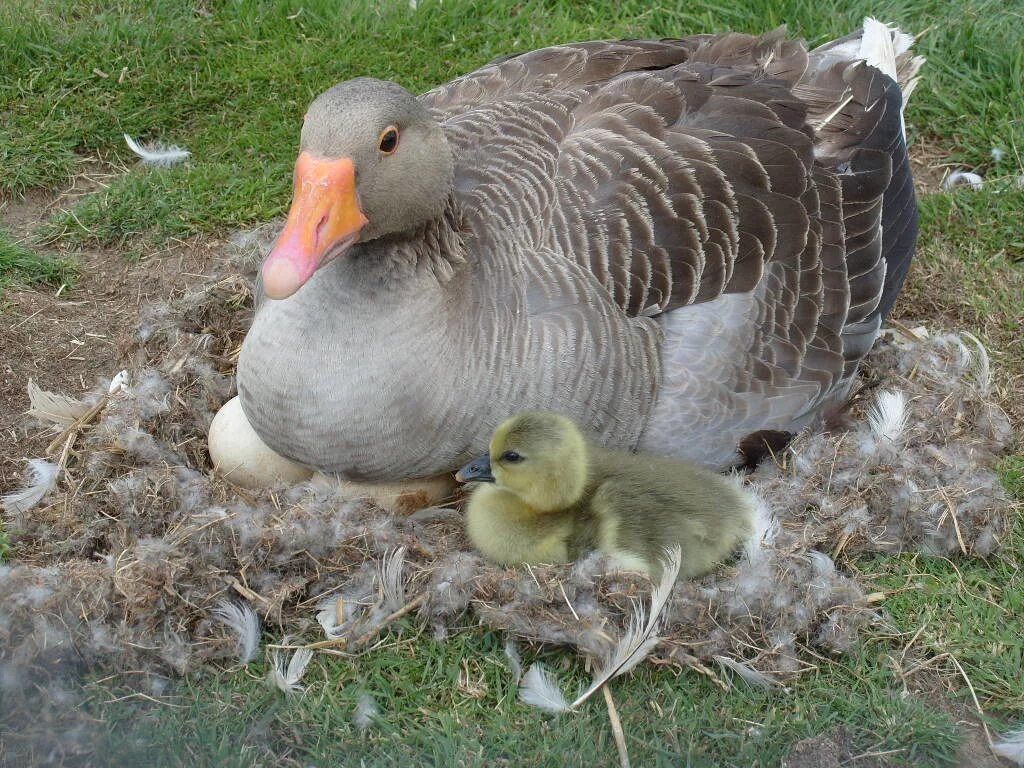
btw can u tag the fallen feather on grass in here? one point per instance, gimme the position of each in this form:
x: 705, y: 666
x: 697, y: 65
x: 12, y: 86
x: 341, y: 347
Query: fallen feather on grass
x: 43, y: 479
x: 159, y: 155
x: 748, y: 674
x: 641, y: 635
x: 515, y: 663
x: 1011, y: 746
x: 964, y: 179
x: 366, y: 711
x: 119, y: 383
x: 540, y: 689
x: 287, y: 679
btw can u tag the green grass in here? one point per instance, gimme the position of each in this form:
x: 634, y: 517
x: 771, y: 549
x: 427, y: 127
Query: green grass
x: 231, y: 84
x: 427, y: 718
x: 22, y: 266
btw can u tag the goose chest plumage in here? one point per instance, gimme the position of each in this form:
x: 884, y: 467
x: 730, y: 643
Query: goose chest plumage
x: 674, y: 242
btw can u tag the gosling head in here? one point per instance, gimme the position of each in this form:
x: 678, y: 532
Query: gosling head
x: 540, y: 457
x: 372, y: 162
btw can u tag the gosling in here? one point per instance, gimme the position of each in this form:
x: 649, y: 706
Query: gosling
x: 549, y: 495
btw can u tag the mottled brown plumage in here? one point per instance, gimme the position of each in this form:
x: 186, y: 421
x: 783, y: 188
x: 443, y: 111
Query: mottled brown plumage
x: 675, y: 242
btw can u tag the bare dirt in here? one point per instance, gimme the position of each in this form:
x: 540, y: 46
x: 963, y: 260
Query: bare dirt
x: 69, y: 338
x: 930, y: 164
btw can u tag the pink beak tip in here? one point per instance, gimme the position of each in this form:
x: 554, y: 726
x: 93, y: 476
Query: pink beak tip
x: 281, y: 277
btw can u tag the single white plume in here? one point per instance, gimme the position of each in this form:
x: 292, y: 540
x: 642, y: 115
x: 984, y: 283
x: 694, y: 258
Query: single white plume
x: 888, y: 415
x: 539, y: 689
x: 765, y: 524
x: 53, y: 407
x: 287, y: 679
x: 366, y: 711
x: 244, y: 625
x: 515, y: 663
x: 747, y: 673
x: 964, y: 179
x: 43, y: 478
x: 160, y: 155
x: 391, y: 578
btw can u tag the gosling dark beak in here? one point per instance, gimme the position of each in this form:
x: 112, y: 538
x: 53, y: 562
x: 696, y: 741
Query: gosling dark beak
x: 477, y: 471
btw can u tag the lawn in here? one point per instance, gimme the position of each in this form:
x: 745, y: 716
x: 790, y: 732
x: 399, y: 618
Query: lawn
x: 230, y: 81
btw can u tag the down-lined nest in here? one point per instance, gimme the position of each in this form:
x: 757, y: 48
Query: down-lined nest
x: 123, y: 564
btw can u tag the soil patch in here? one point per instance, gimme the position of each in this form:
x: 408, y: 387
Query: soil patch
x: 70, y: 339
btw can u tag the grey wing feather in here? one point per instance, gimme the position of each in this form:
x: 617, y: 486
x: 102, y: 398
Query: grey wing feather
x: 672, y: 173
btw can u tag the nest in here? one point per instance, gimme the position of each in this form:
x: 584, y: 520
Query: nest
x: 124, y: 563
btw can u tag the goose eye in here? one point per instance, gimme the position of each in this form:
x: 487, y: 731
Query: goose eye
x: 511, y: 456
x: 388, y: 141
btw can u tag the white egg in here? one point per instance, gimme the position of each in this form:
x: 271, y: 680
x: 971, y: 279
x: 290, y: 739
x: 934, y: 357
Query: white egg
x: 242, y: 457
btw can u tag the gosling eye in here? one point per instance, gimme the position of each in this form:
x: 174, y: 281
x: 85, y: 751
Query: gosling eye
x: 387, y: 143
x: 511, y: 457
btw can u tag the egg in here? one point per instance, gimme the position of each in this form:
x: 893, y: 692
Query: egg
x: 242, y: 458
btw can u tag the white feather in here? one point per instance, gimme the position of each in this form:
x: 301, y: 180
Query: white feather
x: 997, y: 154
x: 880, y: 45
x: 888, y: 415
x: 244, y: 624
x: 1011, y: 746
x: 641, y: 635
x: 366, y: 711
x: 963, y: 179
x: 766, y: 527
x: 43, y: 478
x: 49, y: 406
x: 539, y: 689
x: 747, y: 673
x: 390, y: 576
x: 160, y: 155
x: 515, y: 663
x: 877, y: 47
x: 982, y: 367
x: 288, y: 679
x: 118, y: 384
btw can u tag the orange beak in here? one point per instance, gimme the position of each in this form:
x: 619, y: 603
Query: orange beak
x: 324, y: 222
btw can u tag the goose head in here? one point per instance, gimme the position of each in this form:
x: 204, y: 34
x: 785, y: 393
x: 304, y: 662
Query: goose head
x: 372, y: 162
x: 540, y: 457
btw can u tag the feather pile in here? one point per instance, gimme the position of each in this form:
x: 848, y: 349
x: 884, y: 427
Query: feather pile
x: 126, y: 564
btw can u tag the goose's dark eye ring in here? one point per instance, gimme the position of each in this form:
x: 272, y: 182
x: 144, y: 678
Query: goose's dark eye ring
x: 511, y: 457
x: 388, y: 141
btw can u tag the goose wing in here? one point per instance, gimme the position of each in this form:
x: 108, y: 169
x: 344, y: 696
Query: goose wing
x: 678, y: 171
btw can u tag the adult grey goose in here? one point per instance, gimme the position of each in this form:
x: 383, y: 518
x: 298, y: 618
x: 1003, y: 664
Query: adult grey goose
x: 675, y: 242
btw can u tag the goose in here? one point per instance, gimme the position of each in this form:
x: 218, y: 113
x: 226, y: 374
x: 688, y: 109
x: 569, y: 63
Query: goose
x: 677, y: 243
x: 546, y: 494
